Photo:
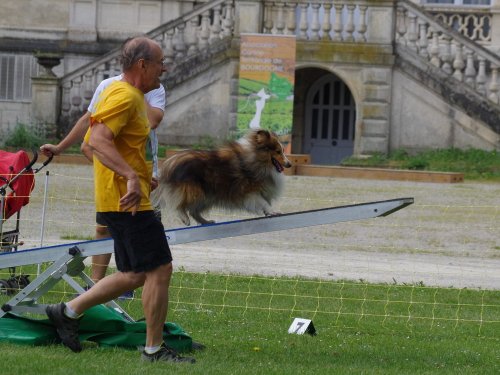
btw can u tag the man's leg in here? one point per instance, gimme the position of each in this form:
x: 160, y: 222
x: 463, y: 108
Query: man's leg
x: 155, y: 302
x: 155, y: 305
x: 65, y: 317
x: 100, y: 262
x: 108, y: 288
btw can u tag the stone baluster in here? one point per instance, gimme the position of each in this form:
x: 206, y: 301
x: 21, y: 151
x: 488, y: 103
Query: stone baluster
x: 192, y: 37
x: 291, y: 24
x: 115, y: 67
x: 65, y: 101
x: 434, y: 50
x: 458, y: 62
x: 446, y: 54
x: 228, y: 22
x: 268, y: 18
x: 180, y: 44
x: 280, y: 18
x: 338, y: 26
x: 412, y: 32
x: 204, y: 31
x: 99, y: 76
x: 481, y: 76
x: 401, y: 26
x: 470, y: 70
x: 315, y: 25
x: 159, y: 39
x: 493, y: 96
x: 168, y: 50
x: 216, y: 25
x: 362, y: 27
x: 349, y: 28
x: 326, y: 27
x: 88, y: 91
x: 423, y: 42
x: 76, y: 97
x: 303, y: 26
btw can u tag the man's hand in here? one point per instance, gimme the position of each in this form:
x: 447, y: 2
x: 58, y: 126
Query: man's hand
x: 154, y: 183
x: 49, y: 150
x: 132, y: 199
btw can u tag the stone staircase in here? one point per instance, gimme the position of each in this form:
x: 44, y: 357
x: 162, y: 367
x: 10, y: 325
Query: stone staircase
x: 460, y: 71
x: 202, y: 48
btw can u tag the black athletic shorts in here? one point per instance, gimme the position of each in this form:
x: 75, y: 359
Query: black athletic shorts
x: 140, y: 241
x: 99, y: 220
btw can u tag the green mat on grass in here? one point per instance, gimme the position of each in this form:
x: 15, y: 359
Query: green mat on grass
x: 100, y: 324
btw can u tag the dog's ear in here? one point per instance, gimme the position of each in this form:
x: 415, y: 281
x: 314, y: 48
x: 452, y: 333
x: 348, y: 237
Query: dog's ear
x: 262, y: 136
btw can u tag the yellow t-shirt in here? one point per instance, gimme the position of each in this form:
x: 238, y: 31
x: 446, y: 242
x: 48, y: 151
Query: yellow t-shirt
x: 121, y: 108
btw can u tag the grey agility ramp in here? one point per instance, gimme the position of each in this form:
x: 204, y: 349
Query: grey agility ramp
x: 68, y: 259
x: 226, y: 229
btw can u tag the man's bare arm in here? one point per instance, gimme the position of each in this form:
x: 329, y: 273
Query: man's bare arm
x: 87, y: 151
x: 155, y: 115
x: 75, y: 135
x: 104, y: 149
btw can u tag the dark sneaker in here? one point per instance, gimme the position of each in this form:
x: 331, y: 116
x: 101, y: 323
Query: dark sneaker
x: 166, y: 354
x: 67, y: 328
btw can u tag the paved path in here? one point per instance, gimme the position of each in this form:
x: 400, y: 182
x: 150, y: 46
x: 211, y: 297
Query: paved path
x: 450, y: 236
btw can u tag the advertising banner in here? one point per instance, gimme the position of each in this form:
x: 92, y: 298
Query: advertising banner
x: 266, y: 83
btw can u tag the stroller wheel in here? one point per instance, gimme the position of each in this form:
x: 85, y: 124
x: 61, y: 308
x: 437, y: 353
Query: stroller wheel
x: 5, y: 288
x: 13, y: 284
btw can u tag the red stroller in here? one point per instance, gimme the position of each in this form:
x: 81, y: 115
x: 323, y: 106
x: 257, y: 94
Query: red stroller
x: 17, y: 180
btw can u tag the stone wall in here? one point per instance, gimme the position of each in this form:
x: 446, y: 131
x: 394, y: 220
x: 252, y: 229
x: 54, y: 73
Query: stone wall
x: 422, y: 119
x: 200, y: 107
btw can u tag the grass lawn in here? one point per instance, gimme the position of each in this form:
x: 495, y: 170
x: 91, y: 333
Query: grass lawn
x: 473, y: 163
x: 362, y: 328
x: 243, y: 320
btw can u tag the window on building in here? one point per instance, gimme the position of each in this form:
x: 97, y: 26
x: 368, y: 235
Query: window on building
x: 16, y: 71
x: 460, y: 2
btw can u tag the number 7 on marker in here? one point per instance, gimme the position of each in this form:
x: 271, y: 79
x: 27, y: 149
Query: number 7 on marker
x: 299, y: 326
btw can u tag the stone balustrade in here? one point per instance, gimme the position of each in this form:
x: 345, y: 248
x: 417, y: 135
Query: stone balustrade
x: 330, y: 21
x: 188, y: 35
x: 473, y: 22
x: 325, y: 20
x: 447, y: 49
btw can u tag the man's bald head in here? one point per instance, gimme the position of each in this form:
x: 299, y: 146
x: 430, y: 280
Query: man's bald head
x: 137, y: 48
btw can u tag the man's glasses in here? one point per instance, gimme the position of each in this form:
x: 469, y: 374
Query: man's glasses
x: 164, y: 62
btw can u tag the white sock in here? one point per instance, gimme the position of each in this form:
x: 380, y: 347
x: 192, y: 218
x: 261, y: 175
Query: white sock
x: 152, y: 349
x: 70, y: 313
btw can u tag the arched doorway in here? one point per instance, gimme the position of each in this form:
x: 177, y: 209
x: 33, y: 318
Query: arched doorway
x: 330, y: 117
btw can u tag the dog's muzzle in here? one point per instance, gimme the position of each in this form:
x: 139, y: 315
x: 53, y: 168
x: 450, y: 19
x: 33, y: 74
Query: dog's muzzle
x: 277, y: 165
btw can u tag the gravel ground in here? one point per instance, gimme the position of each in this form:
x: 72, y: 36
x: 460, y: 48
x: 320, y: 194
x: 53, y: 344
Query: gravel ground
x: 448, y: 237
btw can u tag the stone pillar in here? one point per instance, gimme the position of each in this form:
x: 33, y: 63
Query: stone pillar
x: 248, y: 16
x: 495, y: 26
x: 381, y: 21
x: 45, y: 93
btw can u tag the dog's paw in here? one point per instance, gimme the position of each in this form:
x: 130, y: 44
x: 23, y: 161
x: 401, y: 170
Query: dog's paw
x: 277, y: 213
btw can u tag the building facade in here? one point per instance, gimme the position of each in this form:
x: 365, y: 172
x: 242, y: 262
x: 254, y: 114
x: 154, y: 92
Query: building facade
x: 371, y: 76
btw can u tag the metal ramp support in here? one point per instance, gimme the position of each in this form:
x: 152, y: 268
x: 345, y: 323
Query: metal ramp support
x: 68, y: 258
x: 65, y: 268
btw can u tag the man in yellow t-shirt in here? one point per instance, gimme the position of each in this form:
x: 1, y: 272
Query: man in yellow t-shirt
x: 120, y: 102
x: 118, y: 137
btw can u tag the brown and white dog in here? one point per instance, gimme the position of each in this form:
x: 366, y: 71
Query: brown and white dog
x: 241, y: 175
